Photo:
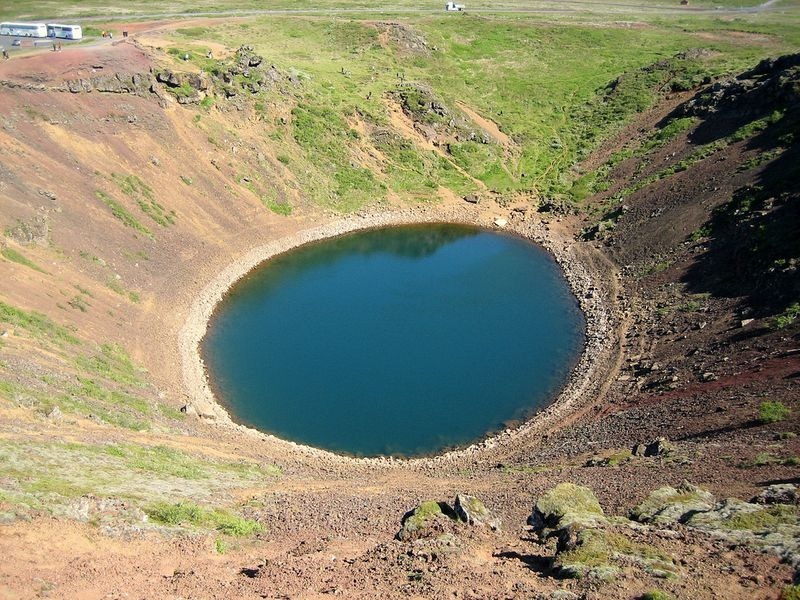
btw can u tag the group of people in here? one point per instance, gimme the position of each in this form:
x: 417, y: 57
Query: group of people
x: 56, y: 46
x: 5, y: 54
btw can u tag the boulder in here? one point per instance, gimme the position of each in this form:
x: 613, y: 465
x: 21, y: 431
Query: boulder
x: 420, y: 521
x: 668, y: 505
x: 472, y: 199
x: 779, y: 493
x: 55, y: 414
x: 658, y: 447
x: 564, y: 506
x: 471, y: 510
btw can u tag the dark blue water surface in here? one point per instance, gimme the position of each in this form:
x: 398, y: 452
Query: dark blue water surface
x: 403, y: 341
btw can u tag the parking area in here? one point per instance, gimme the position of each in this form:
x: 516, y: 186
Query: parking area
x: 16, y: 43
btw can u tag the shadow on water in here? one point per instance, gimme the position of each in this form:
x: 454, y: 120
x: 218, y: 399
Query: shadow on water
x: 387, y: 240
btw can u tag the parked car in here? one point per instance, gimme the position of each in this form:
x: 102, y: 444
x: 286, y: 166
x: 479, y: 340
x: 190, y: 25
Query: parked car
x: 16, y: 43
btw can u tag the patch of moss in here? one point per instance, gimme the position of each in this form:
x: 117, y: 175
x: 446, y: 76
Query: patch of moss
x: 121, y: 213
x: 668, y: 504
x: 772, y: 412
x: 768, y: 518
x: 569, y: 503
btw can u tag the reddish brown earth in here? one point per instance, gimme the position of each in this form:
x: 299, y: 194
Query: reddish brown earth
x: 329, y: 523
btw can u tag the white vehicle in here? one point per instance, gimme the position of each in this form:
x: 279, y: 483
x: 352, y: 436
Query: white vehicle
x: 68, y: 32
x: 24, y: 29
x: 453, y: 7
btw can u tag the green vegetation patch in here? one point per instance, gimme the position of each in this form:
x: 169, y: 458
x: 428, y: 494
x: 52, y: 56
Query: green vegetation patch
x: 112, y: 362
x: 657, y: 595
x: 188, y: 513
x: 48, y: 475
x: 772, y: 412
x: 121, y: 213
x: 37, y: 324
x: 134, y: 187
x: 787, y: 317
x: 19, y: 258
x: 765, y: 519
x: 326, y: 138
x: 598, y: 552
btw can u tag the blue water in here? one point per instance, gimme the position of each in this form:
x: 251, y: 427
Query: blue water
x: 401, y: 341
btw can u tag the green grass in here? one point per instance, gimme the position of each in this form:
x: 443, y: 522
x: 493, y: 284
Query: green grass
x: 188, y: 513
x: 134, y: 187
x: 37, y: 324
x: 656, y: 595
x: 19, y: 258
x: 790, y: 592
x: 772, y: 412
x: 788, y: 317
x: 112, y: 362
x: 115, y: 286
x: 122, y: 213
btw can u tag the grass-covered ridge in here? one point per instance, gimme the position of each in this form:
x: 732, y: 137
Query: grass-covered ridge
x: 554, y: 91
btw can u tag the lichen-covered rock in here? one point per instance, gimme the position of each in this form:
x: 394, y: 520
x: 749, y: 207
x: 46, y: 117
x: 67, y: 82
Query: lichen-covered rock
x: 779, y: 493
x: 565, y: 505
x: 588, y: 554
x: 473, y: 511
x: 774, y: 528
x: 673, y: 505
x: 418, y: 521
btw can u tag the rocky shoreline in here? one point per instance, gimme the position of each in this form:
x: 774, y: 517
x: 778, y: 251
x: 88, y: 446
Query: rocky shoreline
x: 591, y: 277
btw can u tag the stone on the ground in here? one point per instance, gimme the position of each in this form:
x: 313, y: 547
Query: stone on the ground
x: 672, y: 505
x: 473, y: 511
x: 658, y: 447
x: 779, y: 493
x: 416, y: 522
x: 566, y: 504
x: 55, y: 414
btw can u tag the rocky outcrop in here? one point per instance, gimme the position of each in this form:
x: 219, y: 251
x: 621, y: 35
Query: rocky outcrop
x: 433, y: 518
x: 773, y: 83
x: 672, y: 505
x: 404, y: 38
x: 779, y: 493
x: 567, y: 506
x: 658, y: 447
x: 424, y: 519
x: 589, y: 544
x: 473, y: 511
x: 773, y: 528
x: 434, y: 120
x: 139, y: 84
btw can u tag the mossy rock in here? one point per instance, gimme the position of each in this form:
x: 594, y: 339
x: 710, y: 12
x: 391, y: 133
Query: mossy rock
x: 566, y: 505
x: 736, y: 514
x: 600, y: 553
x: 419, y: 520
x: 672, y: 505
x: 473, y: 511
